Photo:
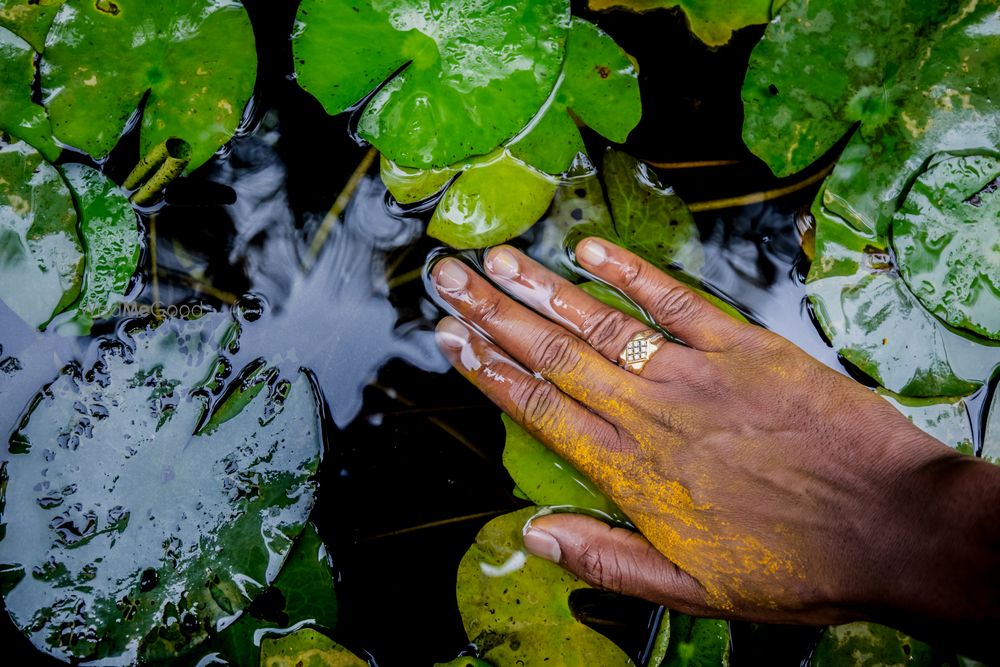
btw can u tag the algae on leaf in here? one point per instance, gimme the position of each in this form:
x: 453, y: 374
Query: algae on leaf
x: 469, y: 75
x: 306, y: 648
x: 515, y: 607
x: 19, y: 115
x: 196, y: 59
x: 142, y: 522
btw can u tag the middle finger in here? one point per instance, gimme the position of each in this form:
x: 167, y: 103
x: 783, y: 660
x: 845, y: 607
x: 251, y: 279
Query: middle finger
x: 542, y: 346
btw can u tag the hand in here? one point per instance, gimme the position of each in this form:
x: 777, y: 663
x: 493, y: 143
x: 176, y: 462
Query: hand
x: 766, y: 486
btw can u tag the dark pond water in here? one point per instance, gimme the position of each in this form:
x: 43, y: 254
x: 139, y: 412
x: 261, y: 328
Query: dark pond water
x: 413, y: 468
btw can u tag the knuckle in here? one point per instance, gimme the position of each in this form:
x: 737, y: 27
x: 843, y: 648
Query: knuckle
x: 558, y: 353
x: 633, y: 275
x: 674, y: 304
x: 489, y: 308
x: 605, y: 328
x: 599, y: 570
x: 536, y: 401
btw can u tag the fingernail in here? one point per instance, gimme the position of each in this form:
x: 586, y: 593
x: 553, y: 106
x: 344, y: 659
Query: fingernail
x: 451, y: 275
x: 503, y: 263
x: 452, y: 333
x: 592, y: 252
x: 542, y: 544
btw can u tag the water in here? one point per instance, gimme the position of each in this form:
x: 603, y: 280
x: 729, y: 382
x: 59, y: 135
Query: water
x: 413, y: 468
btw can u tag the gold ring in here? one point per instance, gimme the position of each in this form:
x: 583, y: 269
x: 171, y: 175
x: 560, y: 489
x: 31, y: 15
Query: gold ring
x: 640, y: 349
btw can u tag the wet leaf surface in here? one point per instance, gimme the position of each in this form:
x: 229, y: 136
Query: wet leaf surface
x: 713, y: 21
x: 140, y: 519
x: 947, y: 242
x: 991, y: 443
x: 491, y: 203
x: 696, y: 642
x: 30, y: 19
x: 19, y: 115
x: 871, y: 645
x: 478, y: 70
x: 945, y: 419
x: 41, y: 257
x: 306, y: 648
x: 515, y: 607
x: 196, y: 59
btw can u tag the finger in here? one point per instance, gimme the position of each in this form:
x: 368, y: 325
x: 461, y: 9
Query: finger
x: 604, y: 328
x: 674, y: 305
x: 564, y: 425
x: 541, y: 346
x: 614, y: 559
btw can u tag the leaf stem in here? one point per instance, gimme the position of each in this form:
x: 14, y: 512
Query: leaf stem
x: 338, y: 208
x: 698, y: 164
x: 164, y: 163
x: 433, y: 524
x: 759, y: 197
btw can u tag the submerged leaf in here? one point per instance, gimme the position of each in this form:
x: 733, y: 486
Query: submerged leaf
x: 142, y: 529
x: 696, y: 642
x: 991, y: 443
x: 306, y: 648
x: 475, y: 71
x: 19, y: 115
x: 713, y: 21
x: 41, y: 258
x: 515, y: 607
x: 947, y: 242
x: 871, y: 645
x: 196, y: 59
x: 491, y: 202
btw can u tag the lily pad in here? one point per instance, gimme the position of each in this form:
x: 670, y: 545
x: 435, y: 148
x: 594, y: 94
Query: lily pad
x: 142, y: 520
x: 306, y: 648
x: 491, y: 203
x: 871, y: 645
x: 41, y: 257
x: 30, y: 19
x: 113, y: 245
x: 196, y: 59
x: 515, y: 607
x: 19, y: 115
x: 878, y: 325
x: 546, y: 478
x: 916, y: 76
x: 696, y: 642
x: 712, y: 21
x: 945, y: 419
x: 476, y: 71
x: 599, y: 88
x: 947, y: 242
x: 303, y: 594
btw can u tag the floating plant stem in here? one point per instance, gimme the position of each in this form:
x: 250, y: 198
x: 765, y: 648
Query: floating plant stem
x: 759, y: 197
x: 434, y: 524
x: 164, y: 163
x: 339, y: 206
x: 698, y: 164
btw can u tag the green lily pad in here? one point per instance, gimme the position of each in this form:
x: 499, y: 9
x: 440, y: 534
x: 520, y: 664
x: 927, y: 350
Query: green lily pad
x: 41, y: 258
x: 696, y: 642
x: 515, y: 608
x: 409, y: 186
x: 917, y: 76
x: 945, y: 419
x: 491, y: 202
x: 19, y: 115
x: 196, y: 58
x: 712, y: 21
x: 464, y: 662
x: 476, y: 70
x: 306, y: 648
x: 143, y: 522
x: 30, y: 19
x: 947, y: 242
x: 305, y: 589
x: 599, y: 87
x: 546, y: 478
x: 113, y: 245
x: 877, y: 324
x: 870, y: 645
